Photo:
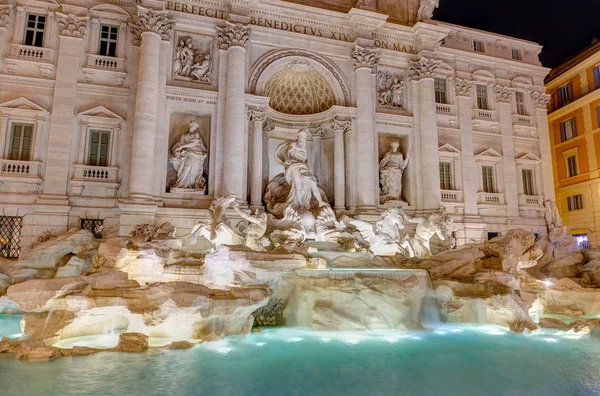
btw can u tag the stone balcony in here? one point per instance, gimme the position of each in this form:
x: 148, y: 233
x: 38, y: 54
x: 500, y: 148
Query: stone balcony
x: 105, y: 62
x: 20, y: 176
x: 445, y: 109
x: 490, y: 198
x: 484, y: 115
x: 28, y: 52
x: 522, y: 120
x: 452, y: 196
x: 530, y: 200
x: 96, y: 181
x: 99, y: 67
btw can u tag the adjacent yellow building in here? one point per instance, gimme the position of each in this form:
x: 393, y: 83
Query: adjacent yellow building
x: 573, y: 119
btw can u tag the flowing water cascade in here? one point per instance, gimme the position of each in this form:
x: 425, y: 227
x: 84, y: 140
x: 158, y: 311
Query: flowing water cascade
x: 480, y: 311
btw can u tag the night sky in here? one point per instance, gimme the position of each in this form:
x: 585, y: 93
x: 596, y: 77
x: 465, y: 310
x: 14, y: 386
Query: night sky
x: 563, y: 27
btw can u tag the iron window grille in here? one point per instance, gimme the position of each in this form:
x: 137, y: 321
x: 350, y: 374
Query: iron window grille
x: 95, y: 226
x: 10, y: 236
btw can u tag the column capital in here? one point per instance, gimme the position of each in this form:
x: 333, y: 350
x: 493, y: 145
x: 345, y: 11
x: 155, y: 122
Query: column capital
x: 5, y: 12
x: 148, y: 20
x: 341, y: 123
x: 233, y: 35
x: 540, y: 100
x: 422, y: 68
x: 463, y: 87
x: 503, y: 94
x: 257, y: 114
x: 71, y: 25
x: 365, y: 57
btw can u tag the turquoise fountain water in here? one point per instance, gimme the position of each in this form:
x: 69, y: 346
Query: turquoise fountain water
x: 449, y: 360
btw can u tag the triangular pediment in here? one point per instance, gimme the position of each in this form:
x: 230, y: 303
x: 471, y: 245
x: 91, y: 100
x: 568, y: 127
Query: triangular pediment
x: 22, y: 104
x: 101, y: 112
x: 108, y: 9
x: 448, y: 148
x: 489, y: 153
x: 529, y: 157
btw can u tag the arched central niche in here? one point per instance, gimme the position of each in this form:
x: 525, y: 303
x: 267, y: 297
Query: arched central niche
x: 299, y: 89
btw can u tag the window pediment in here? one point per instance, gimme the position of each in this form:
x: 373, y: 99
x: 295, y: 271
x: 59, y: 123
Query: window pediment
x: 109, y: 11
x: 101, y: 116
x: 528, y: 159
x: 489, y: 155
x: 448, y: 151
x: 23, y: 107
x: 48, y: 5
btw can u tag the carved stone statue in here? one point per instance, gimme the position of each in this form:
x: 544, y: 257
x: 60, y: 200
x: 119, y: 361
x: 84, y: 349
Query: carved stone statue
x: 391, y: 168
x: 386, y: 238
x: 390, y: 90
x: 437, y: 223
x: 190, y: 63
x: 426, y: 9
x: 255, y: 232
x: 304, y: 190
x: 217, y: 228
x: 187, y: 156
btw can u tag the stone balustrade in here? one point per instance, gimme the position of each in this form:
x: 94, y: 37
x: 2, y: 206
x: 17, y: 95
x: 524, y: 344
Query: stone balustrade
x: 484, y: 115
x: 107, y: 174
x: 28, y: 52
x: 452, y: 196
x: 12, y: 168
x: 523, y: 120
x: 445, y: 109
x: 491, y: 198
x: 105, y: 62
x: 530, y: 200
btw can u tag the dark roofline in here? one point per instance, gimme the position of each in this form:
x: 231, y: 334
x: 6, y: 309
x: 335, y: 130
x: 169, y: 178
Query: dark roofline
x: 574, y: 60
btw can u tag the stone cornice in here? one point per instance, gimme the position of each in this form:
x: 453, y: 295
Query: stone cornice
x: 32, y: 82
x: 102, y: 90
x: 233, y: 35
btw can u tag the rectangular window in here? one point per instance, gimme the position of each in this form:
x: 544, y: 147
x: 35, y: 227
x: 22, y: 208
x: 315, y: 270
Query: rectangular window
x: 445, y: 176
x: 520, y: 98
x: 565, y: 94
x: 516, y: 54
x: 10, y: 236
x: 527, y: 181
x: 482, y: 97
x: 20, y: 145
x: 95, y: 226
x: 487, y: 174
x: 440, y: 90
x: 108, y: 40
x: 575, y: 202
x: 98, y: 148
x: 597, y: 77
x: 478, y: 46
x: 571, y: 166
x: 568, y: 130
x: 34, y: 31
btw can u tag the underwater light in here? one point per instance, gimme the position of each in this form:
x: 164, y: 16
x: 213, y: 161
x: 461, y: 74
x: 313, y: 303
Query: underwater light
x: 549, y: 339
x: 548, y: 283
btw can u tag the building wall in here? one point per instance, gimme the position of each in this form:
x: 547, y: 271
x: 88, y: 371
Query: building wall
x: 67, y: 90
x: 586, y: 144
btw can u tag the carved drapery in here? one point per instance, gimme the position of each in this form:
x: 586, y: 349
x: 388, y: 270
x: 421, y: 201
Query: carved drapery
x: 71, y: 25
x: 5, y: 16
x: 422, y: 68
x: 503, y: 94
x: 540, y: 99
x: 151, y: 21
x: 426, y: 9
x: 463, y: 87
x: 365, y: 57
x: 233, y: 34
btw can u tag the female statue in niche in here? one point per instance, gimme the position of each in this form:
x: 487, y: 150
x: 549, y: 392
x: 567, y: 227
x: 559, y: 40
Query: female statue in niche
x: 187, y: 156
x: 391, y: 168
x: 303, y: 183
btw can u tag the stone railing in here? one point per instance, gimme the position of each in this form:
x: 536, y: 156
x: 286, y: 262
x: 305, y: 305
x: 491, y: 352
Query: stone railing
x: 451, y: 196
x: 530, y: 200
x: 10, y: 168
x: 491, y: 199
x: 27, y: 52
x: 108, y: 174
x: 445, y: 109
x: 523, y: 120
x: 105, y: 62
x: 484, y: 115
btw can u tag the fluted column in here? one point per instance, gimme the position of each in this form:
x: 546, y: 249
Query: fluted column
x: 257, y: 117
x: 317, y: 150
x: 503, y: 100
x: 233, y: 38
x: 540, y: 103
x: 464, y: 91
x: 71, y: 30
x: 149, y: 27
x: 367, y: 175
x: 339, y: 167
x: 421, y: 73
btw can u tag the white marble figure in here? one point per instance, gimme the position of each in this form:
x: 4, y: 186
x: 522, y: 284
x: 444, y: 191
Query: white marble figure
x: 391, y: 169
x: 191, y: 63
x: 426, y: 9
x: 216, y: 228
x: 427, y: 227
x: 187, y: 156
x: 303, y: 183
x: 390, y: 90
x: 386, y: 238
x: 201, y: 71
x: 255, y: 232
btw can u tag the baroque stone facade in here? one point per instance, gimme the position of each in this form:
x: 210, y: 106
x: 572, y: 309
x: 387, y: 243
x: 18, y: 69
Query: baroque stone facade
x: 144, y: 112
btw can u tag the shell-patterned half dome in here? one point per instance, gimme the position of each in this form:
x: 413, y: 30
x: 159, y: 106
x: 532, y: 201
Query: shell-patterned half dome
x: 299, y: 89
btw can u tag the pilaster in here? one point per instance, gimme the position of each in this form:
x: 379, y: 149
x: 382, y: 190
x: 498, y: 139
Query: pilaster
x: 540, y: 103
x: 503, y: 100
x: 257, y: 118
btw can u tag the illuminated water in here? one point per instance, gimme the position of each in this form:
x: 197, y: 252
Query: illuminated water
x: 451, y: 360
